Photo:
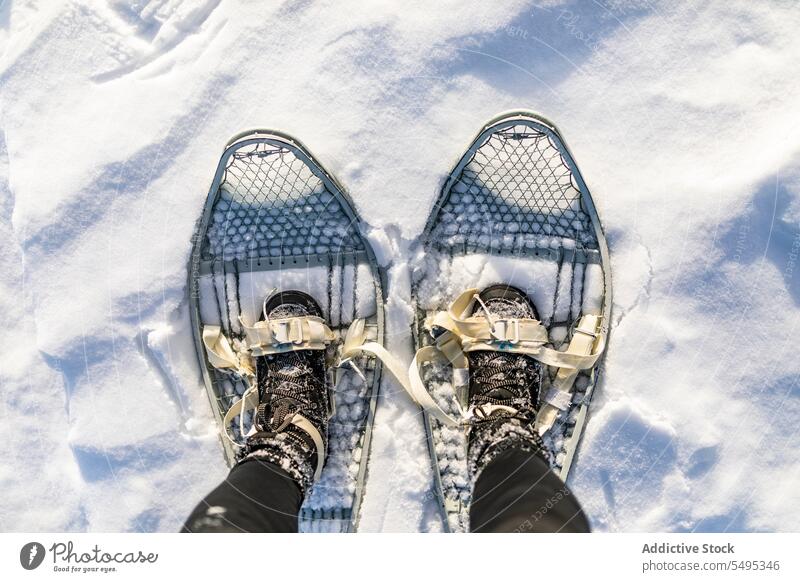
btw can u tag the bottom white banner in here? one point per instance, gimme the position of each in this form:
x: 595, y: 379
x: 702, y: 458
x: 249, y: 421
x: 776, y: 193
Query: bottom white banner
x: 427, y: 556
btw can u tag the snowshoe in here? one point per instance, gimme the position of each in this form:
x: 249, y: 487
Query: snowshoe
x: 514, y: 211
x: 276, y: 220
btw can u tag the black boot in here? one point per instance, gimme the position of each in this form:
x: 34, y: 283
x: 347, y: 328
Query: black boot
x: 291, y: 383
x: 503, y: 379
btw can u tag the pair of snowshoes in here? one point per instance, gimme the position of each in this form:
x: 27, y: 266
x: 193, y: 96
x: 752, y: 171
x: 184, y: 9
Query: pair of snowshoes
x: 513, y: 210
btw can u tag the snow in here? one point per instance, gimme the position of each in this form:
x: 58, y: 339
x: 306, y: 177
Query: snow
x: 683, y: 120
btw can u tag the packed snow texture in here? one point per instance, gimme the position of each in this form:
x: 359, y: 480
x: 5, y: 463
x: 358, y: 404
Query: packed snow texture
x: 682, y: 118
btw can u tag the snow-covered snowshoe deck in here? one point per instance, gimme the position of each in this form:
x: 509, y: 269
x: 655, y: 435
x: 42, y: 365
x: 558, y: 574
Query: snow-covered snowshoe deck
x: 514, y: 210
x: 275, y: 219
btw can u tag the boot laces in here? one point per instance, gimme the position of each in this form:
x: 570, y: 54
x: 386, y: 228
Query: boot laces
x: 291, y: 385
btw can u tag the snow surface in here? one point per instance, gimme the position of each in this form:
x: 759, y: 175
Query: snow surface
x: 683, y: 120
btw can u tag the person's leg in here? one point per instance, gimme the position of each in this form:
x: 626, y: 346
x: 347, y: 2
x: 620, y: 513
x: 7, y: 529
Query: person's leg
x: 517, y: 492
x: 256, y: 496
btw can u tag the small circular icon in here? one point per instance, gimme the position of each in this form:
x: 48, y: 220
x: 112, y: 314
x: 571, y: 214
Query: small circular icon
x: 31, y: 555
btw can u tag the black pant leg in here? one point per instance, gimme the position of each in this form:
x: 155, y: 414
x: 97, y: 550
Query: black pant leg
x: 255, y: 497
x: 517, y: 492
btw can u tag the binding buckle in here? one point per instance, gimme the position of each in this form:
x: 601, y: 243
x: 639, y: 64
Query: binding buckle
x: 284, y: 331
x: 501, y: 328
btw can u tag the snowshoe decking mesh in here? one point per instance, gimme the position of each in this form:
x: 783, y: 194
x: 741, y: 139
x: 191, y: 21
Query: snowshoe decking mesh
x: 275, y: 219
x: 515, y: 194
x: 273, y: 206
x: 514, y: 210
